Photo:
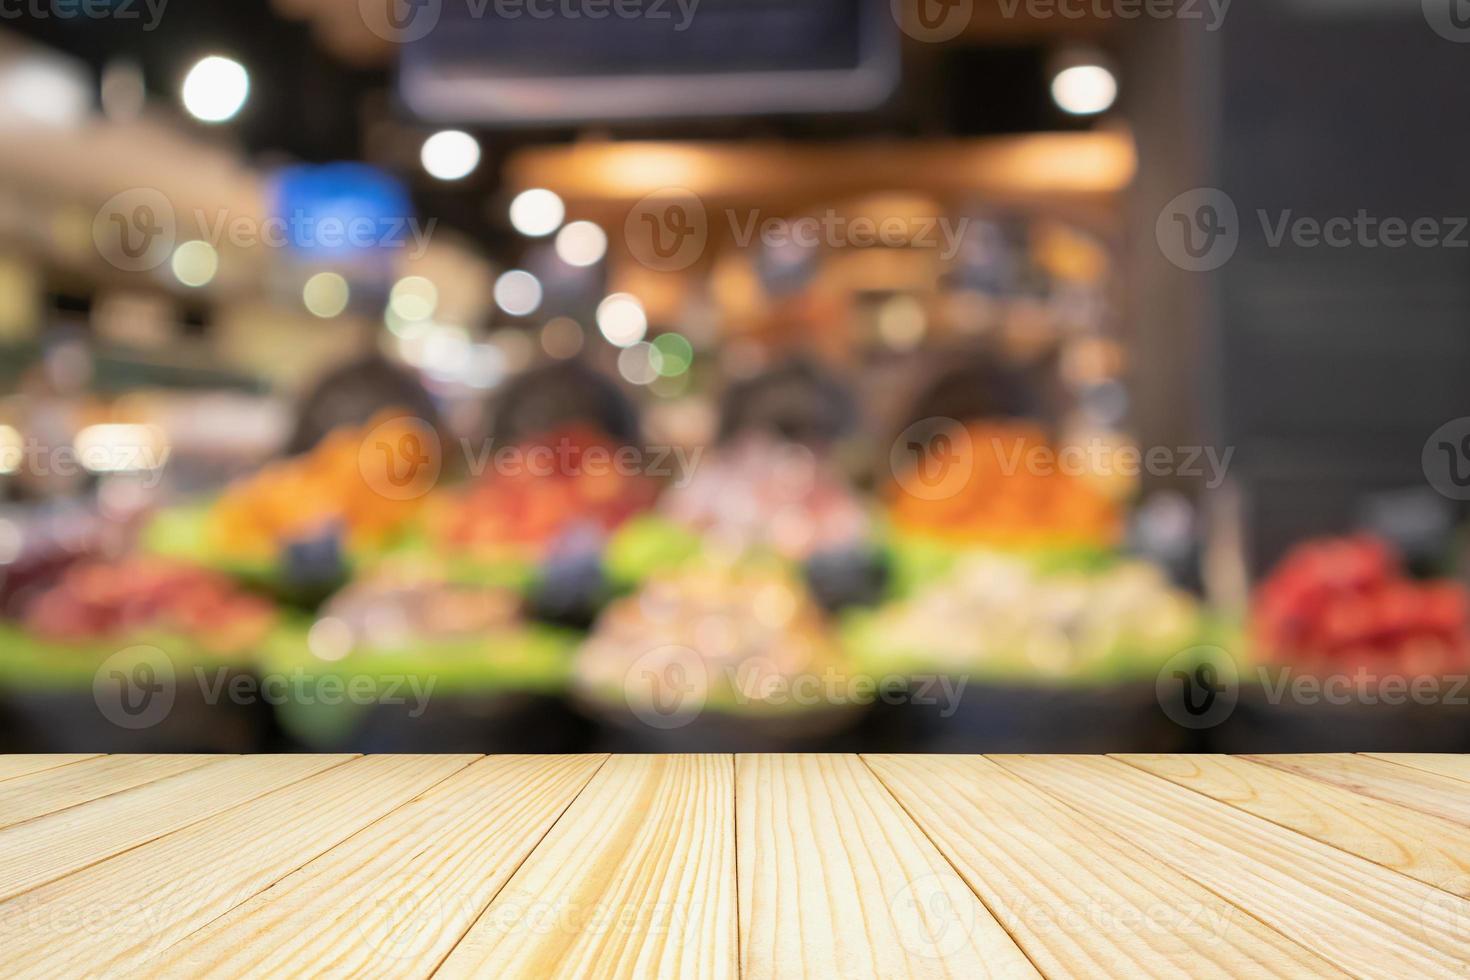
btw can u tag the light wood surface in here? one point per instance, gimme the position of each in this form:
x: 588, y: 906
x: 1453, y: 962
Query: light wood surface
x: 721, y: 866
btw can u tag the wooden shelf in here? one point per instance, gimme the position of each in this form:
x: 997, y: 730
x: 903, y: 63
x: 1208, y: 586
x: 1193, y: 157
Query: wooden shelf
x: 751, y: 865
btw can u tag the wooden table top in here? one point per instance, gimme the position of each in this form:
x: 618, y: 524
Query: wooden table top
x: 717, y: 866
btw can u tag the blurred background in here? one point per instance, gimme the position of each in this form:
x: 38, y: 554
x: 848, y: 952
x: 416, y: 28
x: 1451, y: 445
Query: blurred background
x: 556, y: 375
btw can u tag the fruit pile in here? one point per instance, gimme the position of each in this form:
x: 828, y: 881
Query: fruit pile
x: 116, y: 601
x: 394, y: 614
x: 1345, y: 603
x: 728, y: 635
x: 330, y: 487
x: 1000, y: 485
x: 999, y: 615
x: 569, y: 480
x: 766, y: 494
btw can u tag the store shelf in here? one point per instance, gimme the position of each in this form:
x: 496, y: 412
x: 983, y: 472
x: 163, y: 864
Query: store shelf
x: 757, y: 865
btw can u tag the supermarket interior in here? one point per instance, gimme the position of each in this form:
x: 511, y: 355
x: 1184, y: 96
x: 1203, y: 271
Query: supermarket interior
x: 733, y: 375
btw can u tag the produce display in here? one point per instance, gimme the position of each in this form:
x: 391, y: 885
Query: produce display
x: 568, y: 481
x: 1000, y: 485
x: 101, y: 602
x: 323, y: 491
x: 1341, y: 604
x: 383, y: 614
x: 764, y: 494
x: 730, y: 636
x: 997, y: 615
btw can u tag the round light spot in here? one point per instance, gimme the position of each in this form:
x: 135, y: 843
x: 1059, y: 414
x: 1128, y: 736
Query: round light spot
x: 562, y: 338
x: 413, y: 298
x: 581, y: 243
x: 537, y: 212
x: 638, y: 364
x: 517, y: 292
x: 195, y: 263
x: 215, y: 89
x: 1084, y: 90
x: 450, y: 154
x: 621, y: 319
x: 326, y: 294
x: 676, y: 354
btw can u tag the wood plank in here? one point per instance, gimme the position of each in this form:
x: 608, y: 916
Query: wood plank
x: 1443, y: 796
x: 12, y: 766
x: 636, y: 880
x: 1434, y: 850
x: 836, y: 880
x: 1080, y: 902
x: 108, y: 918
x: 49, y: 790
x: 394, y: 899
x: 1363, y: 918
x: 57, y: 844
x: 1454, y: 766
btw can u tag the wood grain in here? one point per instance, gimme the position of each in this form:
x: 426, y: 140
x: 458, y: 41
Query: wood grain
x: 1365, y: 919
x: 1080, y: 902
x: 60, y: 843
x: 12, y: 766
x: 837, y: 881
x: 755, y: 866
x: 1454, y: 766
x: 1427, y: 792
x: 112, y: 916
x: 57, y: 788
x: 393, y: 899
x: 636, y: 880
x: 1434, y: 850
